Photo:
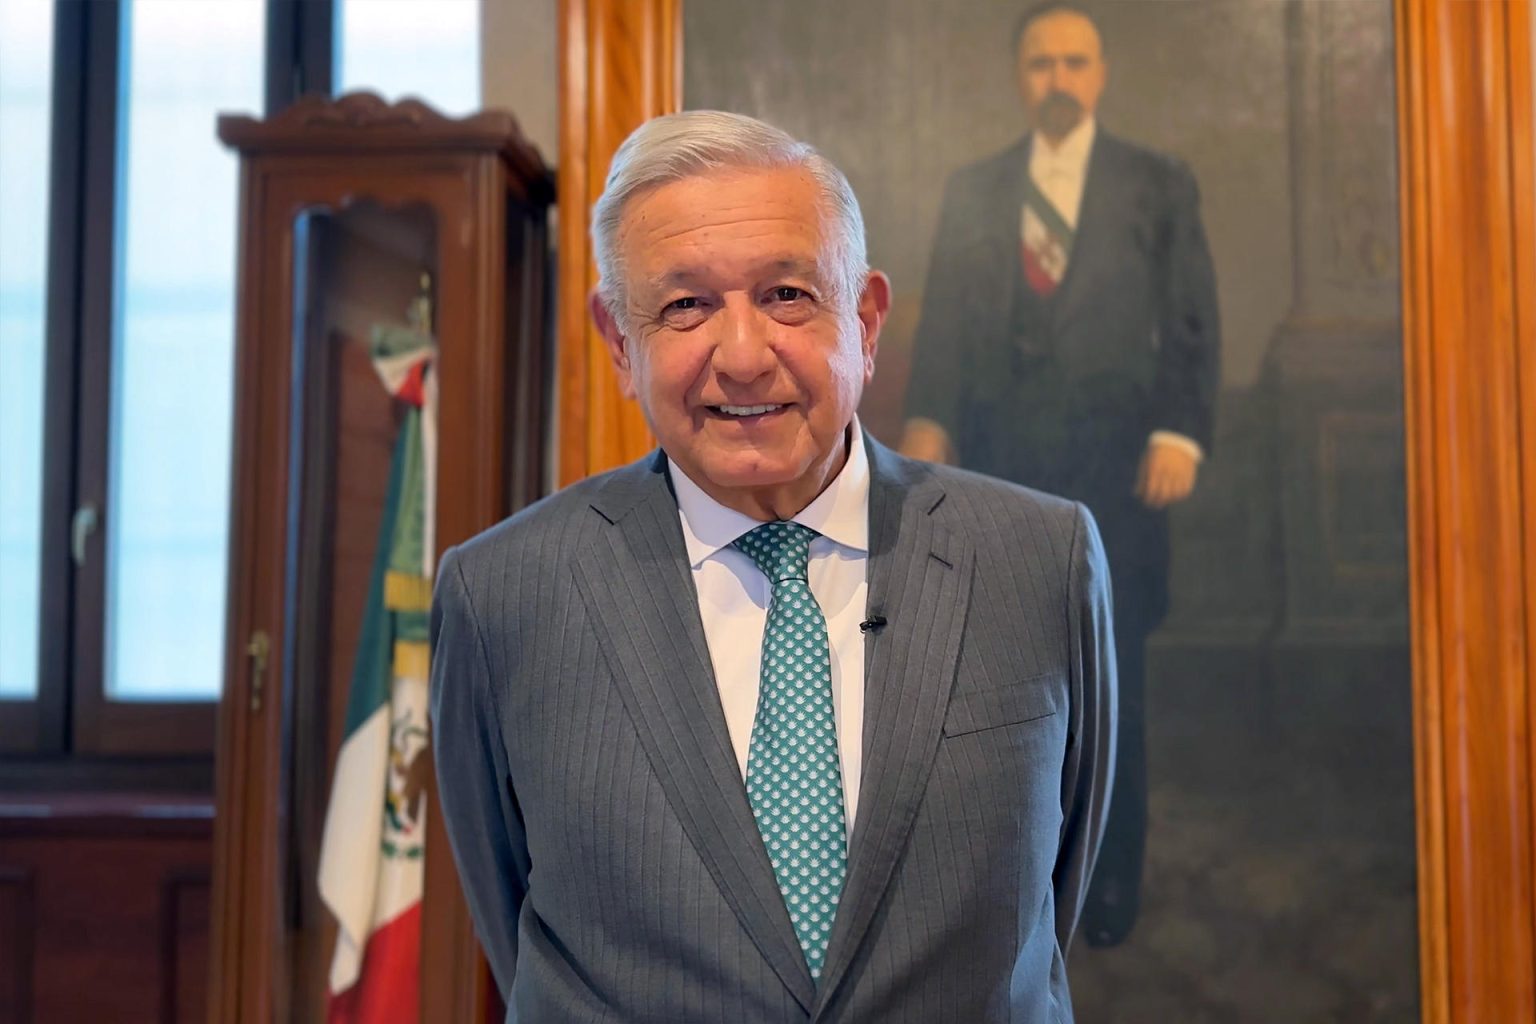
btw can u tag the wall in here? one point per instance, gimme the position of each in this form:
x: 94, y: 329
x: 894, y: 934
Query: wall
x: 518, y: 67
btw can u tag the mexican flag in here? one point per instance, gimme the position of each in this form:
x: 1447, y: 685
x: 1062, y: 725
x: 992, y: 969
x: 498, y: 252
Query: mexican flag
x: 375, y: 826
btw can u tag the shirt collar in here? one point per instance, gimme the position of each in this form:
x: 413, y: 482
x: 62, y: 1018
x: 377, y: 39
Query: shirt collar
x: 840, y: 513
x: 1072, y: 154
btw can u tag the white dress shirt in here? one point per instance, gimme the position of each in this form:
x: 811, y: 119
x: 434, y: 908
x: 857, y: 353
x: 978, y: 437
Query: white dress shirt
x: 1060, y: 172
x: 734, y: 593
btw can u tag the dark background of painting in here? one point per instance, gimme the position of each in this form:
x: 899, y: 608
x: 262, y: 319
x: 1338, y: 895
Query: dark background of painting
x: 1280, y: 882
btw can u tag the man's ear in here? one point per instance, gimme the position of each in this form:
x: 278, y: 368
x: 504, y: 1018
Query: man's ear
x: 874, y: 304
x: 614, y: 339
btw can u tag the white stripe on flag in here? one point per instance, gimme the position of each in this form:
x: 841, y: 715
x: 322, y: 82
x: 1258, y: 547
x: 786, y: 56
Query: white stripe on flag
x: 349, y: 850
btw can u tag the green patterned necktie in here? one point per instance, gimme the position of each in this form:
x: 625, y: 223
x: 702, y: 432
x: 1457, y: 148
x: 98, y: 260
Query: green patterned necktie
x: 794, y: 777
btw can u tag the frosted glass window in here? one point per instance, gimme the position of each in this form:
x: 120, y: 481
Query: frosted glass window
x: 26, y: 79
x: 428, y: 49
x: 183, y: 63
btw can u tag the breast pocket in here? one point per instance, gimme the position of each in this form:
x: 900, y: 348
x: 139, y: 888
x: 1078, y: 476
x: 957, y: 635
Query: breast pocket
x: 992, y: 708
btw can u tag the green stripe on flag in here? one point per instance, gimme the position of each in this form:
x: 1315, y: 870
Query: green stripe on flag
x: 375, y: 646
x: 408, y: 532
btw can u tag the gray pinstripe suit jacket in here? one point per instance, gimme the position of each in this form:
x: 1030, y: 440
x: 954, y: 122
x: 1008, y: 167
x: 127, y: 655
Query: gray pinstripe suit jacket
x: 598, y: 815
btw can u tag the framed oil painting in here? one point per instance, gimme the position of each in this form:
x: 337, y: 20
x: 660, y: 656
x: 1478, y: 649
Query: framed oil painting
x: 1252, y: 280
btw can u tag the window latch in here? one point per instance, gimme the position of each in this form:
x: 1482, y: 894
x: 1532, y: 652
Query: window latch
x: 81, y: 527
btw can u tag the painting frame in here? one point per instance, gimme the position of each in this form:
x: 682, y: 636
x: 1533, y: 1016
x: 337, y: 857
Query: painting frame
x: 1467, y: 198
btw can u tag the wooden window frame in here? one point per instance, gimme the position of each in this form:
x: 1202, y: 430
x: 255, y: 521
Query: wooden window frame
x: 38, y: 725
x: 71, y: 731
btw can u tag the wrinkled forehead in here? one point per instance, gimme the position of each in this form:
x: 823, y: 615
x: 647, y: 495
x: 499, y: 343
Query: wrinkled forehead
x: 739, y: 220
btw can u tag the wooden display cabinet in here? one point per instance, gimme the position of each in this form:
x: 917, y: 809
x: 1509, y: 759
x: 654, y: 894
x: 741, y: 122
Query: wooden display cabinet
x: 352, y: 210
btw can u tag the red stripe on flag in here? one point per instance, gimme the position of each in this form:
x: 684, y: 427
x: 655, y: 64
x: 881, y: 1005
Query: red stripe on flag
x: 388, y: 987
x: 412, y: 388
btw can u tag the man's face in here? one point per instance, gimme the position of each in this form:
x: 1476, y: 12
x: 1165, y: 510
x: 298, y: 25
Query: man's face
x: 1061, y: 71
x: 747, y: 366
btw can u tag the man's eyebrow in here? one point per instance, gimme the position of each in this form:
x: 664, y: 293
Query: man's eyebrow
x: 792, y: 265
x: 676, y: 277
x: 679, y: 277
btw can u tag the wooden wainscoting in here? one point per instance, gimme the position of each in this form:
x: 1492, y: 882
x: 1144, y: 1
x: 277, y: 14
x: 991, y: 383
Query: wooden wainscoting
x: 104, y: 908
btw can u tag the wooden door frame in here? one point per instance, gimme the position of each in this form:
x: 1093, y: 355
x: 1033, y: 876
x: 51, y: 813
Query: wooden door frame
x: 1468, y: 202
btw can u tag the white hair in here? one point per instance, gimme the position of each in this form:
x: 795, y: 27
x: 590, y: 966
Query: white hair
x: 696, y: 142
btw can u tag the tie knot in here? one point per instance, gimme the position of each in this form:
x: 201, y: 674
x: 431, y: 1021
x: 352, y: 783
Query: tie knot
x: 782, y: 550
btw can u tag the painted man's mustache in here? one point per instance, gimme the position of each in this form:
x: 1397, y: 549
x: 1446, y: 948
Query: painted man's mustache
x: 1059, y: 112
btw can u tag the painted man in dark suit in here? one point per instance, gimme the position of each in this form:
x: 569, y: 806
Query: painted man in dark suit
x: 1069, y: 341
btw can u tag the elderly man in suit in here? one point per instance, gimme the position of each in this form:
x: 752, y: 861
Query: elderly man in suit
x: 1069, y: 341
x: 774, y: 724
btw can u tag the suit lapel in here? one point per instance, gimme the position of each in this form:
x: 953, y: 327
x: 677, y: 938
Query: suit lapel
x: 638, y: 587
x: 920, y: 580
x: 999, y: 240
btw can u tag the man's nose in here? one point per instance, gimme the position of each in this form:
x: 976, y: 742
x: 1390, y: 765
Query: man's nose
x: 1058, y: 75
x: 743, y: 348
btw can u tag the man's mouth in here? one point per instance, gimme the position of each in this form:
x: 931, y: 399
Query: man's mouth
x: 745, y: 411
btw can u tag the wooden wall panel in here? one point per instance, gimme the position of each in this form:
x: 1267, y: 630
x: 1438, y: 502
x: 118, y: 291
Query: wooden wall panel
x: 17, y: 925
x: 104, y: 910
x: 185, y: 909
x: 620, y: 65
x: 1464, y: 94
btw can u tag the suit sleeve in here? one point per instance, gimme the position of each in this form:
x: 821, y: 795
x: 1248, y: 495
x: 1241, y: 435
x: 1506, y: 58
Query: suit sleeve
x: 1090, y: 760
x: 474, y: 785
x: 1189, y: 328
x: 934, y: 389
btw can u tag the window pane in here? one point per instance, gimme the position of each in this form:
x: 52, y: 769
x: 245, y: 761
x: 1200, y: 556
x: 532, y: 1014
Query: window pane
x: 26, y: 73
x: 184, y: 61
x: 429, y: 49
